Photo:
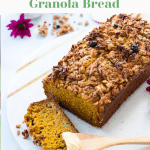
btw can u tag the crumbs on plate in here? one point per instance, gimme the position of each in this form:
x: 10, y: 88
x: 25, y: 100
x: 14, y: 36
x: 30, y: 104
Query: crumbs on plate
x: 60, y: 25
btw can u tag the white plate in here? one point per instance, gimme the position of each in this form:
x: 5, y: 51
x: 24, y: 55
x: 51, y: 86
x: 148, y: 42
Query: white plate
x: 131, y: 119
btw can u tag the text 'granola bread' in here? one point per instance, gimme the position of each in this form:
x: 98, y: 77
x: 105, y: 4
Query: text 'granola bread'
x: 103, y: 69
x: 46, y: 122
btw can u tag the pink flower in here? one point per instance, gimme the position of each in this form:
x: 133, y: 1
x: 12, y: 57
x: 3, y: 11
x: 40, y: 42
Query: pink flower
x: 20, y: 27
x: 148, y: 88
x: 148, y: 81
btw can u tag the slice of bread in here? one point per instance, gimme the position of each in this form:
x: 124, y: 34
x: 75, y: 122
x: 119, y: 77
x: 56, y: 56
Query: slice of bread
x: 46, y: 122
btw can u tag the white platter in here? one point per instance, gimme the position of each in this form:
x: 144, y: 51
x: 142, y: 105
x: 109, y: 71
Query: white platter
x: 131, y: 119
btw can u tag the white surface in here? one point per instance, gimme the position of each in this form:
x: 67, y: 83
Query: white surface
x: 132, y: 118
x: 32, y: 15
x: 14, y: 51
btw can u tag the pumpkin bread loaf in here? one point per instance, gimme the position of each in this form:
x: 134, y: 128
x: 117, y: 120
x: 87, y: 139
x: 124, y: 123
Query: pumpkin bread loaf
x: 46, y: 122
x: 103, y: 69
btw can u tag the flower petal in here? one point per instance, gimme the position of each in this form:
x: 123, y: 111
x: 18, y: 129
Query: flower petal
x: 148, y: 81
x: 27, y: 20
x: 10, y: 26
x: 28, y: 33
x: 148, y: 89
x: 30, y: 25
x: 21, y: 35
x: 12, y: 33
x: 16, y: 33
x: 13, y: 21
x: 22, y: 17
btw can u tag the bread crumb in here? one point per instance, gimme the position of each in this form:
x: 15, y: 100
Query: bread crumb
x: 80, y: 23
x: 18, y: 125
x: 71, y: 14
x: 56, y: 17
x: 62, y: 21
x: 18, y: 132
x: 23, y: 121
x: 54, y: 27
x: 86, y: 23
x: 64, y: 29
x: 54, y: 22
x: 43, y: 30
x: 25, y: 134
x: 65, y: 18
x: 52, y: 32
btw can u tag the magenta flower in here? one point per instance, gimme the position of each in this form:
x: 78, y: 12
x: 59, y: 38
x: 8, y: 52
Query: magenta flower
x: 148, y: 81
x: 148, y: 88
x: 20, y: 27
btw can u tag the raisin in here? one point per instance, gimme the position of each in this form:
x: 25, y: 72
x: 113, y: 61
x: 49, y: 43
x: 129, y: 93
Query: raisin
x: 134, y: 48
x: 57, y: 26
x: 87, y: 73
x: 93, y: 44
x: 115, y: 26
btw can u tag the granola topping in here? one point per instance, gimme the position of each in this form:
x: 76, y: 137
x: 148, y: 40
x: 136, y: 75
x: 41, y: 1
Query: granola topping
x: 43, y: 30
x: 86, y: 23
x: 64, y: 29
x: 105, y: 61
x: 18, y: 133
x: 18, y: 125
x: 25, y: 134
x: 79, y: 23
